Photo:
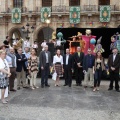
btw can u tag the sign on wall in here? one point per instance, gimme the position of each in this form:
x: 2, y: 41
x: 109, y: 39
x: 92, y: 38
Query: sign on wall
x: 74, y: 15
x: 45, y: 13
x: 16, y: 15
x: 105, y: 13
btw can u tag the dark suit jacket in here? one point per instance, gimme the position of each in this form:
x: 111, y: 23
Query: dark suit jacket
x: 42, y: 58
x: 85, y: 62
x: 70, y: 61
x: 78, y: 59
x: 21, y: 64
x: 115, y: 64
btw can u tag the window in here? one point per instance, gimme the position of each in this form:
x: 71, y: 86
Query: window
x: 74, y: 2
x: 104, y: 2
x: 18, y: 3
x: 46, y: 3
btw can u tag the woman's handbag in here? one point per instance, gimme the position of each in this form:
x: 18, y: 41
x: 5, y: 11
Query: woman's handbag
x: 54, y: 76
x: 6, y: 93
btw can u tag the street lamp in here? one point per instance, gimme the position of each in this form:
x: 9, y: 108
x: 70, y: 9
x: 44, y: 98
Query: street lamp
x: 26, y: 30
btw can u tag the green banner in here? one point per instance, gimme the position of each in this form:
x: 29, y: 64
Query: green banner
x: 74, y: 15
x: 45, y: 13
x: 16, y: 15
x: 105, y: 13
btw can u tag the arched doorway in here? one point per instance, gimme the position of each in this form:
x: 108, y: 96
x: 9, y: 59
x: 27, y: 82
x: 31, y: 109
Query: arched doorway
x: 43, y: 33
x: 14, y: 33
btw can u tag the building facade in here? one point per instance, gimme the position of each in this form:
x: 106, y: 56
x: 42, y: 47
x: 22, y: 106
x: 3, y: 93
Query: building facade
x: 89, y: 17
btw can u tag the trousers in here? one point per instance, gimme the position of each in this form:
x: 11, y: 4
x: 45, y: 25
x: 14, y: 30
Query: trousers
x: 21, y: 77
x: 33, y: 79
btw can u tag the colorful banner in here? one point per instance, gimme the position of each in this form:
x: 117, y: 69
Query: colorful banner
x: 16, y: 15
x: 105, y: 13
x: 45, y: 13
x: 74, y: 15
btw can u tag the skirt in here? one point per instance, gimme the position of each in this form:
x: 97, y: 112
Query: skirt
x: 3, y: 82
x: 58, y: 68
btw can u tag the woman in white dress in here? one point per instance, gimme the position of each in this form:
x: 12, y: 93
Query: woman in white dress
x: 58, y: 66
x: 4, y: 74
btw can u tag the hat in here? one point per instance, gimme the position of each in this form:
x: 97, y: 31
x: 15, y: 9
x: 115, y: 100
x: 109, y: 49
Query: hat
x: 73, y: 36
x: 79, y: 34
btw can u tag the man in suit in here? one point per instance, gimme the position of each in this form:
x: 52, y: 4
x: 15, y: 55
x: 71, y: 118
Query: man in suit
x: 11, y: 59
x: 78, y: 60
x: 21, y: 69
x: 114, y: 65
x: 68, y: 67
x: 45, y: 64
x: 88, y: 66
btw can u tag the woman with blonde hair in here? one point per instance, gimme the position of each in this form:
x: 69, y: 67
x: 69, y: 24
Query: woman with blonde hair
x: 4, y: 74
x: 33, y: 68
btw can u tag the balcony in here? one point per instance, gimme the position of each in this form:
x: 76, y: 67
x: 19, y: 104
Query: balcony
x: 65, y: 9
x: 9, y: 10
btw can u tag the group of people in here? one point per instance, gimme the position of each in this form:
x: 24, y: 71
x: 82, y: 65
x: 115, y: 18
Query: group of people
x: 24, y: 65
x: 88, y: 67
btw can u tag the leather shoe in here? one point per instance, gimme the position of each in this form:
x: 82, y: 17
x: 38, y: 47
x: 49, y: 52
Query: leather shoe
x: 13, y: 90
x: 65, y: 85
x: 42, y: 86
x: 110, y: 88
x: 80, y: 84
x: 18, y: 88
x: 47, y: 85
x: 76, y: 84
x: 118, y: 90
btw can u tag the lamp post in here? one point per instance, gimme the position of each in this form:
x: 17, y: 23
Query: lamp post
x: 27, y: 31
x: 48, y: 22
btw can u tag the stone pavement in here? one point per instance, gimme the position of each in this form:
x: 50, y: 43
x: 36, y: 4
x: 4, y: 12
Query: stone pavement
x: 62, y: 103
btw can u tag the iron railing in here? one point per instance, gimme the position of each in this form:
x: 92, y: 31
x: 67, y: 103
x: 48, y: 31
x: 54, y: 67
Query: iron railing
x: 65, y: 9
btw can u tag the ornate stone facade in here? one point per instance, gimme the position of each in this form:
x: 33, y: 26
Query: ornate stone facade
x: 59, y: 17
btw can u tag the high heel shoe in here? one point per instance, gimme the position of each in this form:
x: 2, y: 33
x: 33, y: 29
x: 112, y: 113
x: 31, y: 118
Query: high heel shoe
x: 4, y: 101
x: 94, y: 89
x: 98, y: 89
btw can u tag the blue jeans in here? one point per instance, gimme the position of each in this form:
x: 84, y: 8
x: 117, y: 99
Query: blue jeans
x: 97, y: 77
x: 44, y: 75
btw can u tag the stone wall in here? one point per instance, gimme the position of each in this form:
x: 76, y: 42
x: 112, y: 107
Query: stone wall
x: 6, y: 26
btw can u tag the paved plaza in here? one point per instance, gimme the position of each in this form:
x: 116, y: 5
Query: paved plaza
x: 62, y: 103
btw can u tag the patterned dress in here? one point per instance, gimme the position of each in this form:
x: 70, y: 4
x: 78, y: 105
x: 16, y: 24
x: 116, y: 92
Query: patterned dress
x: 33, y: 64
x: 4, y: 81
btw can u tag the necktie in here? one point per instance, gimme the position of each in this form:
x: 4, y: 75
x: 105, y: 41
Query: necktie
x: 79, y: 54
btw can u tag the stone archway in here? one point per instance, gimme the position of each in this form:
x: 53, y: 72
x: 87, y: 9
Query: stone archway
x: 15, y: 31
x: 43, y: 33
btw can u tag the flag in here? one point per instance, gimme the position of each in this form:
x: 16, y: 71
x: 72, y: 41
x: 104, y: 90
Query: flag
x: 74, y: 15
x: 45, y: 13
x: 105, y: 13
x: 16, y: 15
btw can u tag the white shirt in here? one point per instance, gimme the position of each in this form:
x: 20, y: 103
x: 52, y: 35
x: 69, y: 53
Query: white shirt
x: 43, y: 45
x: 67, y: 57
x: 9, y: 60
x: 114, y: 56
x: 58, y: 43
x: 34, y: 46
x: 46, y: 54
x: 27, y: 55
x: 2, y: 64
x: 58, y: 59
x: 26, y: 44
